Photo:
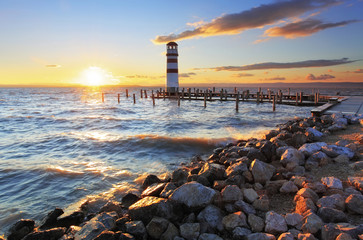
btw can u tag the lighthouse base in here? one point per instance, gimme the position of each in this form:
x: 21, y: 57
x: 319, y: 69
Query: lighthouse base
x: 172, y: 90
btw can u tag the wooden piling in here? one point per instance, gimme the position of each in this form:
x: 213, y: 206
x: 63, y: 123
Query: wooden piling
x: 274, y: 103
x: 297, y: 99
x: 127, y: 93
x: 141, y: 93
x: 118, y: 98
x: 221, y: 94
x: 183, y: 93
x: 179, y: 99
x: 152, y: 96
x: 145, y: 93
x: 289, y: 92
x: 237, y: 101
x: 214, y: 89
x: 301, y: 97
x: 190, y: 94
x: 205, y: 99
x: 133, y: 95
x: 258, y: 97
x: 226, y: 95
x: 103, y: 97
x: 164, y: 94
x: 281, y: 96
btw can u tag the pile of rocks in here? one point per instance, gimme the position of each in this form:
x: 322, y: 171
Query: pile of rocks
x: 229, y: 195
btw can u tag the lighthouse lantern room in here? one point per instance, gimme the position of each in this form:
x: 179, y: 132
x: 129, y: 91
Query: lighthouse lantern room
x: 172, y: 79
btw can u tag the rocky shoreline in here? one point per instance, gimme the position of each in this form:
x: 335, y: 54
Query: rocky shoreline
x: 240, y: 192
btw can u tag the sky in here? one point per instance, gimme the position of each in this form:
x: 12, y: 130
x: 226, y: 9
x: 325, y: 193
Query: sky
x: 62, y: 42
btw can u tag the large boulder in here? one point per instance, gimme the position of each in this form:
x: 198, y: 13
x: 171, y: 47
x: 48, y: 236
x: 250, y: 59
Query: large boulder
x: 148, y: 207
x: 313, y: 134
x: 193, y: 195
x: 190, y: 231
x: 209, y: 236
x: 20, y: 229
x: 213, y: 171
x: 292, y: 158
x: 333, y: 201
x: 328, y: 214
x: 256, y: 223
x: 330, y: 231
x: 354, y: 203
x: 294, y: 220
x: 54, y: 233
x: 156, y: 227
x: 212, y: 216
x: 356, y: 182
x: 309, y: 149
x: 332, y: 182
x: 231, y: 193
x: 236, y: 169
x: 275, y: 223
x: 313, y: 223
x: 262, y: 172
x: 233, y: 220
x: 334, y: 151
x: 250, y: 195
x: 136, y: 228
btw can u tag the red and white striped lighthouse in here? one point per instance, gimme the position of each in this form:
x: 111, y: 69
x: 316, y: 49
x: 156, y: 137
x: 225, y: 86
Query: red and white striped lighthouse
x: 172, y: 79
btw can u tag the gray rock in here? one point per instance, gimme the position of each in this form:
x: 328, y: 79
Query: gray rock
x: 309, y: 149
x: 354, y: 203
x: 156, y: 227
x: 286, y: 236
x: 332, y: 182
x: 236, y: 169
x: 179, y: 176
x: 317, y: 187
x: 256, y: 223
x: 148, y: 207
x: 261, y: 236
x: 333, y: 201
x: 209, y: 236
x: 314, y: 134
x: 171, y: 233
x: 292, y: 158
x: 356, y: 182
x: 231, y: 193
x: 153, y: 190
x: 319, y: 157
x: 313, y: 223
x: 193, y: 195
x: 245, y: 207
x: 294, y: 220
x: 288, y: 187
x: 331, y: 231
x: 136, y: 228
x: 262, y: 172
x: 54, y: 233
x: 190, y: 231
x: 168, y: 190
x: 240, y: 233
x: 304, y: 204
x: 213, y: 171
x: 90, y: 230
x: 328, y: 214
x: 344, y: 236
x: 250, y: 195
x: 334, y: 151
x: 281, y: 150
x: 212, y: 216
x: 20, y: 229
x: 308, y: 193
x: 341, y: 159
x: 269, y: 150
x: 261, y: 204
x: 237, y: 219
x: 306, y: 236
x: 149, y: 180
x: 275, y: 223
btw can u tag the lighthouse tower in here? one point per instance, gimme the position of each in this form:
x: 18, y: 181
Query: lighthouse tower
x: 172, y: 80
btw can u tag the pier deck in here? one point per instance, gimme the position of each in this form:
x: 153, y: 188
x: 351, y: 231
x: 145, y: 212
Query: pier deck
x: 349, y: 105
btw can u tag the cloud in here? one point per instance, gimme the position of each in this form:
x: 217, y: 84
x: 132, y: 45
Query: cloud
x: 275, y: 79
x: 358, y: 71
x: 238, y: 75
x: 321, y: 77
x: 303, y: 28
x: 187, y: 75
x: 52, y: 66
x: 257, y: 17
x: 275, y: 65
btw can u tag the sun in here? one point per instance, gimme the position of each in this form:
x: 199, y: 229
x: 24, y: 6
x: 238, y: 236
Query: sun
x: 96, y: 76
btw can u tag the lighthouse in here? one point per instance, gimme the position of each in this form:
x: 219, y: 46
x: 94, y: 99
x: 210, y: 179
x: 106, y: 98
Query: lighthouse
x: 172, y: 79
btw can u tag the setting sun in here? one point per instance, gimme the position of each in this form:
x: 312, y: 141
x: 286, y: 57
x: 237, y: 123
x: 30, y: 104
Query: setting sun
x: 96, y: 76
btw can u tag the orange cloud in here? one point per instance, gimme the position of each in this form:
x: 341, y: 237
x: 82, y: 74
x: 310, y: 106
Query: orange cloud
x: 257, y: 17
x: 321, y: 77
x: 303, y: 28
x: 238, y: 75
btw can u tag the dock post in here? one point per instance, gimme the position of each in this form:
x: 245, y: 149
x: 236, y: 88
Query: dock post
x: 183, y: 93
x: 237, y: 101
x: 221, y: 95
x: 196, y: 94
x: 118, y: 98
x: 301, y: 97
x: 141, y: 93
x: 259, y: 89
x: 274, y: 103
x: 281, y: 96
x: 235, y: 90
x: 289, y: 92
x: 103, y: 97
x: 248, y: 94
x: 152, y: 96
x: 214, y: 89
x: 226, y: 94
x: 205, y: 99
x: 145, y: 93
x: 179, y: 100
x: 297, y: 99
x: 190, y: 94
x: 258, y: 97
x: 269, y: 95
x: 127, y: 93
x: 133, y: 95
x: 210, y: 95
x: 164, y: 94
x: 317, y: 97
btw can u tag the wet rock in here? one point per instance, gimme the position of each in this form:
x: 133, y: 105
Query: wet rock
x: 168, y: 190
x: 209, y: 236
x: 153, y: 190
x: 171, y: 233
x: 51, y: 234
x: 269, y: 150
x: 262, y: 172
x: 289, y: 187
x: 328, y: 214
x: 213, y: 171
x: 51, y: 219
x: 309, y: 149
x: 275, y: 223
x: 286, y: 236
x: 126, y: 236
x: 354, y: 203
x: 313, y: 223
x: 156, y: 227
x: 271, y: 134
x: 334, y: 151
x: 106, y: 235
x: 333, y: 201
x: 190, y: 231
x: 193, y: 195
x: 137, y: 229
x: 332, y: 182
x: 292, y: 158
x: 21, y: 229
x: 306, y: 236
x: 250, y: 195
x: 231, y: 193
x: 236, y: 169
x: 313, y: 134
x: 212, y: 217
x: 240, y: 233
x: 237, y: 219
x: 281, y: 150
x: 148, y: 207
x: 261, y: 236
x: 294, y: 220
x: 179, y: 176
x: 149, y: 180
x: 255, y: 153
x: 74, y: 219
x: 256, y: 223
x: 245, y: 207
x: 129, y: 199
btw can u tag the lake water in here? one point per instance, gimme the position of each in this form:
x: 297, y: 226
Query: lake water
x: 59, y: 146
